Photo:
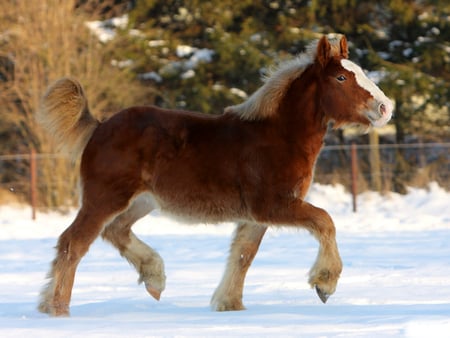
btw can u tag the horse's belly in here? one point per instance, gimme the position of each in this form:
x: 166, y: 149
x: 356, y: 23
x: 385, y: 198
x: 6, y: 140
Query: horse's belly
x: 191, y: 208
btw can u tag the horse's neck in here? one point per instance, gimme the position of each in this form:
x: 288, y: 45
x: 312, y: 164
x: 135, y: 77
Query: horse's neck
x: 302, y: 117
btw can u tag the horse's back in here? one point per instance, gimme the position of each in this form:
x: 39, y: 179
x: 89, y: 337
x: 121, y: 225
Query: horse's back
x: 189, y: 162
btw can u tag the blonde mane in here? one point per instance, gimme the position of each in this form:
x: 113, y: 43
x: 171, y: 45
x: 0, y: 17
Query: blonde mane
x: 265, y: 101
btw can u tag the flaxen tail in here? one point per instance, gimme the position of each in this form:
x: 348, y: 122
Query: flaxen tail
x: 65, y: 114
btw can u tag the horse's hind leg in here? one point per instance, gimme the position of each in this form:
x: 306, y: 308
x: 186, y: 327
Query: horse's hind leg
x: 72, y: 245
x: 147, y: 261
x: 228, y: 295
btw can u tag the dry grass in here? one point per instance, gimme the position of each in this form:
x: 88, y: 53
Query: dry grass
x: 10, y: 198
x: 47, y: 40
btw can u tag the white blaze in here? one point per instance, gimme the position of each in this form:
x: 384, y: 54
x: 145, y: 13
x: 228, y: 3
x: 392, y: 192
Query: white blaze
x: 381, y: 118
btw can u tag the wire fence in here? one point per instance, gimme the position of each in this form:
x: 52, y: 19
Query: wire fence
x: 387, y: 167
x: 49, y: 181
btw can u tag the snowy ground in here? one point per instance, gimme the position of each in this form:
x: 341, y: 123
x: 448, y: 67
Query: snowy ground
x: 395, y: 283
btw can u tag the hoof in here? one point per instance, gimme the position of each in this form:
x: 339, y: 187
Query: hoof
x: 322, y: 295
x: 154, y: 292
x: 228, y: 305
x: 54, y: 311
x: 154, y: 284
x: 324, y: 282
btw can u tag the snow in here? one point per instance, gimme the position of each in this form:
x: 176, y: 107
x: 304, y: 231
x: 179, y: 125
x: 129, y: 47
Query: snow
x: 395, y: 282
x: 106, y: 30
x: 122, y: 63
x: 103, y: 33
x: 150, y: 76
x: 188, y: 74
x: 157, y: 43
x: 408, y: 52
x: 194, y: 54
x: 203, y: 55
x: 238, y: 92
x: 185, y: 51
x: 377, y: 75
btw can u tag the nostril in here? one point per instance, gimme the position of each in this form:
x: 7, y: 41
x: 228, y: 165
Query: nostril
x: 382, y: 109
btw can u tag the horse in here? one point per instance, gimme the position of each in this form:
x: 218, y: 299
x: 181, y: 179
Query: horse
x: 252, y: 165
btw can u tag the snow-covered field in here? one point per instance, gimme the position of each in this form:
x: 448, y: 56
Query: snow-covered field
x: 395, y: 283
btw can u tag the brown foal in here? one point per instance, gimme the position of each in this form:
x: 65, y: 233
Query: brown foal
x: 252, y: 165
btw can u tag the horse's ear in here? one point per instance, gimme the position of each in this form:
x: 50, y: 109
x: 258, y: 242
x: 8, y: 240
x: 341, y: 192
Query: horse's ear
x: 344, y: 47
x: 323, y: 54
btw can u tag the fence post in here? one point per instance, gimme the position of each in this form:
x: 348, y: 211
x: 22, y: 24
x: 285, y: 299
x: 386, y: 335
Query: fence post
x: 33, y: 183
x: 354, y: 175
x: 375, y: 162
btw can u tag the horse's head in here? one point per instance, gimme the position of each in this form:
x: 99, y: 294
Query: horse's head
x: 347, y: 95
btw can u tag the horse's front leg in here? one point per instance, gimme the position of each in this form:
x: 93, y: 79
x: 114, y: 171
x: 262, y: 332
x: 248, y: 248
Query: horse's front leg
x: 228, y: 295
x: 327, y: 268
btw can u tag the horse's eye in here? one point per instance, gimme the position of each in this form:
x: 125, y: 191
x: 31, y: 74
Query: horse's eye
x: 341, y: 78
